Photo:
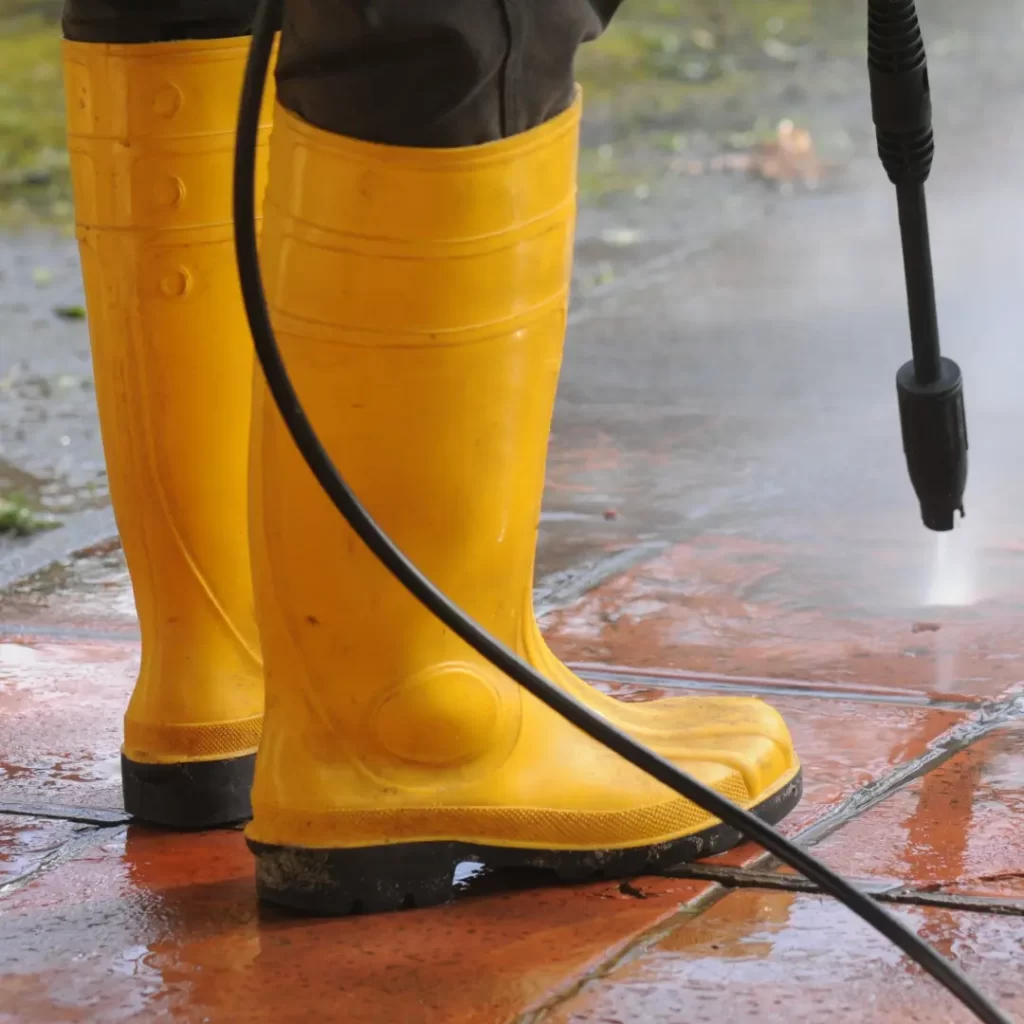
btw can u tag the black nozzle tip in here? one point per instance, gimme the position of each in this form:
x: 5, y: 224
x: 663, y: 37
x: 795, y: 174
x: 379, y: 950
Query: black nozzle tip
x: 939, y: 517
x: 935, y: 442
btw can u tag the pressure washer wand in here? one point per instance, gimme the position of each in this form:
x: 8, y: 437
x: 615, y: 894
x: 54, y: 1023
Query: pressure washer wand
x: 929, y: 387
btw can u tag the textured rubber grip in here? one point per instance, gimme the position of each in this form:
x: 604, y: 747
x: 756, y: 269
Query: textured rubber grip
x: 900, y: 94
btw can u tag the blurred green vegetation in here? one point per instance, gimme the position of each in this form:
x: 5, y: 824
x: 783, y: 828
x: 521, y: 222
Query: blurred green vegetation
x: 19, y: 518
x: 661, y: 57
x: 34, y: 184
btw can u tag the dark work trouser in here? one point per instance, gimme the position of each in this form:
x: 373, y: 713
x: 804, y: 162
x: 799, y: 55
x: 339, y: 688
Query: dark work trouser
x: 418, y: 73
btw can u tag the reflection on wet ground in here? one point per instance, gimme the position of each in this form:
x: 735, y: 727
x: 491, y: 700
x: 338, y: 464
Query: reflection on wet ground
x: 772, y: 956
x: 912, y: 788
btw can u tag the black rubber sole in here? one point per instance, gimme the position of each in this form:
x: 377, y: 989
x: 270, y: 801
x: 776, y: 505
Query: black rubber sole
x: 399, y: 877
x: 190, y: 795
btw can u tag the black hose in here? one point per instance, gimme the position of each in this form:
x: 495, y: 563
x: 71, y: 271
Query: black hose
x: 455, y: 619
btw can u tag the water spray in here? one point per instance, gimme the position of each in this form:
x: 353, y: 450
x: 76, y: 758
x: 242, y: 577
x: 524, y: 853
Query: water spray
x: 929, y: 387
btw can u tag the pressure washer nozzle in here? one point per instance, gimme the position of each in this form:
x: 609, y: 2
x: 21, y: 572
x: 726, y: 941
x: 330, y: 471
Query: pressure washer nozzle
x: 935, y: 441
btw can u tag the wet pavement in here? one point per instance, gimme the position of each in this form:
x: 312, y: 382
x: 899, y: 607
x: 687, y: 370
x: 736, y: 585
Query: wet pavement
x: 758, y: 956
x: 727, y: 511
x: 913, y: 790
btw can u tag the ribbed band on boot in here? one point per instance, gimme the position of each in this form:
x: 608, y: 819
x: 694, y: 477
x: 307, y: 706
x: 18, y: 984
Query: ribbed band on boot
x: 151, y: 133
x: 374, y: 220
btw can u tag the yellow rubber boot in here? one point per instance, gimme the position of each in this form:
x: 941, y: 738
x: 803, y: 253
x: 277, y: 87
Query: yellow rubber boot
x: 151, y: 137
x: 420, y: 300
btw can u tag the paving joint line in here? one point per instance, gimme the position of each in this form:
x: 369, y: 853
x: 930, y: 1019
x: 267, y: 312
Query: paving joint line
x: 988, y: 718
x: 95, y: 816
x: 766, y: 687
x: 634, y: 946
x: 653, y: 271
x: 885, y: 892
x: 985, y: 720
x: 565, y: 587
x: 66, y: 851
